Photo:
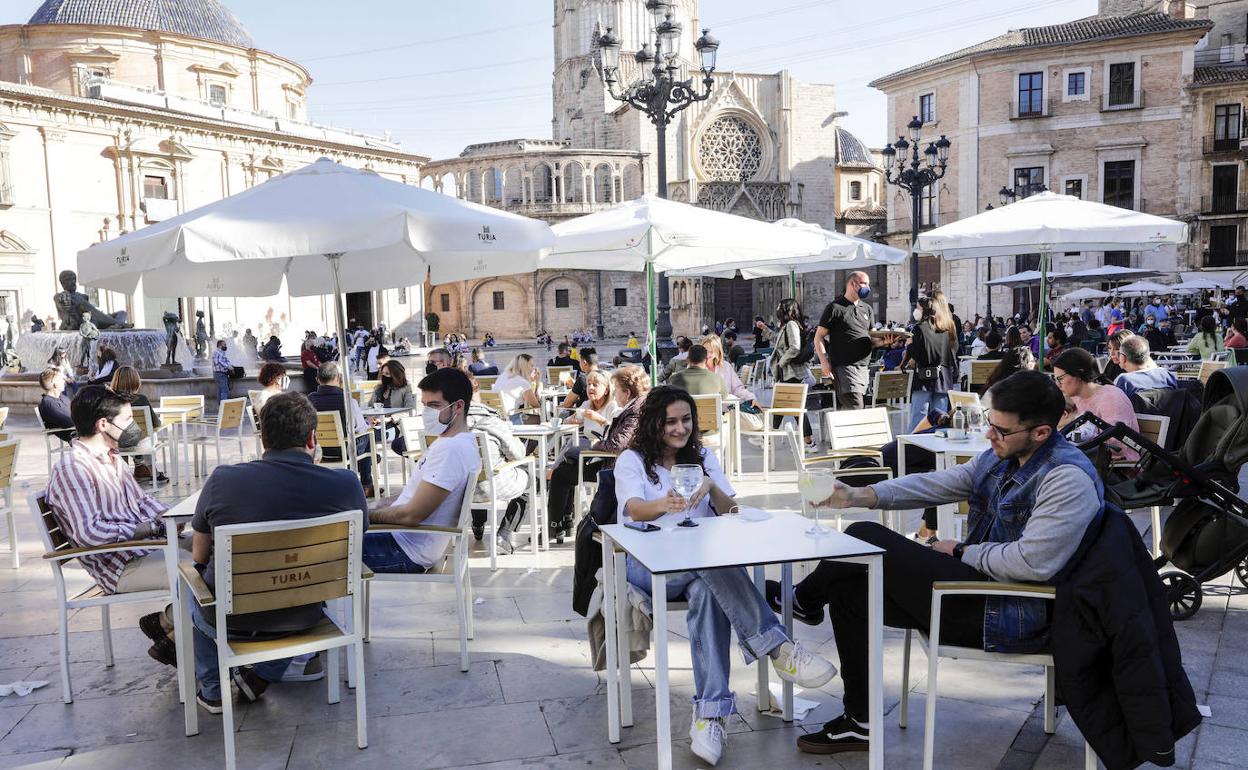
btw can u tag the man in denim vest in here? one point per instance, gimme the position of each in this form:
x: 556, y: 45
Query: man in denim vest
x: 1031, y: 498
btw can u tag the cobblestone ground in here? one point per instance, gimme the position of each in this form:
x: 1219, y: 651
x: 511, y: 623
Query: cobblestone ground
x: 530, y: 698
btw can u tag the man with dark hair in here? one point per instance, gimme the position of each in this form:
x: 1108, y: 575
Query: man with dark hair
x: 328, y: 398
x: 679, y: 361
x: 1032, y: 496
x: 843, y: 340
x: 696, y: 378
x: 579, y: 392
x: 732, y: 350
x: 54, y: 404
x: 762, y: 335
x: 439, y: 358
x: 1140, y: 372
x: 284, y: 484
x: 992, y: 340
x: 563, y: 356
x: 435, y: 490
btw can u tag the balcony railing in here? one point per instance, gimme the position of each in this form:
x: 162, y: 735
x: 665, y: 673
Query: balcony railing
x: 1223, y: 56
x: 1212, y: 144
x: 1113, y: 100
x: 1236, y: 258
x: 1031, y: 108
x: 1224, y: 203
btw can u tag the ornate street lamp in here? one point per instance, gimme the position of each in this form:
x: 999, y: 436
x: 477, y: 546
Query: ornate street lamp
x: 660, y: 93
x: 911, y: 175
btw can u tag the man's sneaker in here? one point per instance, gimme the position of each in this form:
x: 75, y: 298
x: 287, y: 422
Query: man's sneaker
x: 708, y: 738
x: 809, y: 617
x: 164, y: 651
x: 250, y: 685
x: 311, y: 671
x: 841, y: 734
x: 211, y: 706
x: 794, y: 663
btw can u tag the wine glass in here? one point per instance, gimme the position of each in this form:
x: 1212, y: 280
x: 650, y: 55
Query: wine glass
x: 686, y: 478
x: 816, y: 485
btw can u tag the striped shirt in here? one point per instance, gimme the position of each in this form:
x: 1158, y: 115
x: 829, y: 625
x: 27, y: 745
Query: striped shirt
x: 96, y: 501
x: 220, y: 361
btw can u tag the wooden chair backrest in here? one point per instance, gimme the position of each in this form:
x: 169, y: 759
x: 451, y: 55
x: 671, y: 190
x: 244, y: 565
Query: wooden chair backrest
x: 855, y: 428
x: 964, y: 399
x: 410, y: 428
x: 142, y: 418
x: 788, y: 395
x: 329, y: 431
x: 1207, y: 368
x: 553, y: 372
x: 8, y: 464
x: 746, y: 374
x: 4, y: 415
x: 427, y: 440
x: 1154, y: 427
x: 709, y: 411
x: 489, y: 461
x: 981, y: 371
x: 230, y: 414
x: 280, y: 564
x: 493, y: 399
x: 367, y: 386
x: 50, y: 532
x: 892, y: 386
x: 486, y: 381
x: 253, y: 397
x: 183, y: 402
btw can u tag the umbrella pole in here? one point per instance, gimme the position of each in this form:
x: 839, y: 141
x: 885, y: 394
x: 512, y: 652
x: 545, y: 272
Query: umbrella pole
x: 1041, y: 325
x: 349, y: 427
x: 793, y: 283
x: 652, y: 343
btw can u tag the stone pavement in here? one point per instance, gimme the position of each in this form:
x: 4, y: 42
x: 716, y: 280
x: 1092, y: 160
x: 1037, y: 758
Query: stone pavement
x: 529, y: 699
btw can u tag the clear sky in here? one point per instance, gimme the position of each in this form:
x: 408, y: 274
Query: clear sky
x: 441, y: 75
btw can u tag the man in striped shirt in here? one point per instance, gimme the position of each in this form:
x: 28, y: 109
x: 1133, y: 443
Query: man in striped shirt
x: 96, y: 500
x: 221, y: 369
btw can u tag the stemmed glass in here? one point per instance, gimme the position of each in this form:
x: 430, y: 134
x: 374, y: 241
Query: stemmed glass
x: 686, y: 478
x: 816, y: 485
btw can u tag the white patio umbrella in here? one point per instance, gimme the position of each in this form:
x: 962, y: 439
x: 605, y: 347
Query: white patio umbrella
x: 1141, y: 288
x: 1079, y: 295
x: 325, y: 228
x: 1197, y: 284
x: 1049, y: 223
x: 1025, y: 278
x: 1107, y: 273
x: 841, y: 252
x: 654, y: 235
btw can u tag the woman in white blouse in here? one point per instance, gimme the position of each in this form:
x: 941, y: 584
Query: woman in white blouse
x: 720, y: 600
x: 595, y: 414
x: 516, y: 383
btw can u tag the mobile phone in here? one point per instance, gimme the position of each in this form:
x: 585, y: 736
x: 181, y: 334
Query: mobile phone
x: 642, y: 526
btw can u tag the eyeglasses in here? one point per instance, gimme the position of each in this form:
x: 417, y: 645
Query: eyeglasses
x: 1059, y: 377
x: 1007, y: 433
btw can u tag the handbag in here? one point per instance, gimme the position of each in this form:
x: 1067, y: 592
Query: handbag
x: 927, y: 373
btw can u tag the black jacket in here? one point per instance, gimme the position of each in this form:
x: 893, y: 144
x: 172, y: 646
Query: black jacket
x: 1118, y: 665
x: 1181, y: 405
x: 588, y: 554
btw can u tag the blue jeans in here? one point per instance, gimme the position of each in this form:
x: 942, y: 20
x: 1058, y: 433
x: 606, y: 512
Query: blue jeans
x: 382, y: 553
x: 204, y: 637
x: 223, y: 385
x: 923, y: 401
x: 720, y: 600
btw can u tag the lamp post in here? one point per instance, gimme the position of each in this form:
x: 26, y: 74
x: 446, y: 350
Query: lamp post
x: 912, y: 176
x: 659, y: 93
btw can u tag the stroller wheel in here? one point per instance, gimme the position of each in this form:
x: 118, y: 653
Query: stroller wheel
x: 1183, y: 593
x: 1241, y: 572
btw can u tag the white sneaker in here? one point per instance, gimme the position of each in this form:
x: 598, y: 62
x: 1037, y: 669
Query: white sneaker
x: 708, y: 738
x: 794, y: 663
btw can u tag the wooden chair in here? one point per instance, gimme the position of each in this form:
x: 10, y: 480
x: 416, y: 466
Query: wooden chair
x: 453, y: 569
x: 329, y: 433
x: 195, y: 403
x: 58, y: 550
x: 965, y: 399
x: 980, y: 372
x: 1207, y: 368
x: 892, y: 391
x: 154, y: 440
x: 8, y: 465
x: 410, y: 428
x: 491, y: 466
x: 787, y: 400
x: 275, y: 565
x: 941, y: 590
x: 586, y: 488
x: 4, y: 416
x: 54, y: 445
x: 486, y: 381
x: 711, y: 424
x: 1155, y: 428
x: 494, y: 400
x: 802, y: 461
x: 746, y: 374
x: 253, y: 418
x: 229, y: 417
x: 554, y: 373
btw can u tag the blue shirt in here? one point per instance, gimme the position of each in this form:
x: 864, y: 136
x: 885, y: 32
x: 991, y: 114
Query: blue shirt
x: 1156, y: 311
x: 1146, y: 379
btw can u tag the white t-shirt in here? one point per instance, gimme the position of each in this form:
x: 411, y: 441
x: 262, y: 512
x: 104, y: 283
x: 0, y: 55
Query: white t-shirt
x: 631, y: 481
x: 512, y: 387
x: 451, y: 464
x: 594, y: 431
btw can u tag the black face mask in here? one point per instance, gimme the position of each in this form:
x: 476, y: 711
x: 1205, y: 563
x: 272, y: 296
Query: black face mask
x: 430, y: 368
x: 129, y: 437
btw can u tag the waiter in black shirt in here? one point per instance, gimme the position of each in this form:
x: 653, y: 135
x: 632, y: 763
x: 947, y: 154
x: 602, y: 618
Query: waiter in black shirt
x: 843, y: 341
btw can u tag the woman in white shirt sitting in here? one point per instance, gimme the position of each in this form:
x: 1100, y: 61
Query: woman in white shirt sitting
x: 720, y: 600
x: 516, y: 384
x: 599, y: 408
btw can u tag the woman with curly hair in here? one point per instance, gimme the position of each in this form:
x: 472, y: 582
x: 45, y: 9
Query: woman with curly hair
x: 720, y: 600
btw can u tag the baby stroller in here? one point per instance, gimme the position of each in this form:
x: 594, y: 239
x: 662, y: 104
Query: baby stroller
x: 1206, y: 535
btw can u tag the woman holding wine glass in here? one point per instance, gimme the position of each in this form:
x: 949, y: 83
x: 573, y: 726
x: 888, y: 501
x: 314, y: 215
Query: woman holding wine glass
x: 666, y: 451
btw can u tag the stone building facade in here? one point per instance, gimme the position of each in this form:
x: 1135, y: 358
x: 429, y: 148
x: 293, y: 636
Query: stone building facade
x: 763, y: 146
x: 117, y: 115
x: 1100, y: 108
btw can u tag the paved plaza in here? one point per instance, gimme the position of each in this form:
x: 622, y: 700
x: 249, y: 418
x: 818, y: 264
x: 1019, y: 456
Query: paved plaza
x: 530, y: 698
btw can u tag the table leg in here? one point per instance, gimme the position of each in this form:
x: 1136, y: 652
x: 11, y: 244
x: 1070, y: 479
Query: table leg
x: 875, y: 648
x: 385, y: 462
x: 764, y: 686
x: 171, y: 567
x: 662, y: 698
x: 738, y: 460
x: 541, y: 492
x: 535, y: 522
x: 786, y: 606
x: 609, y: 618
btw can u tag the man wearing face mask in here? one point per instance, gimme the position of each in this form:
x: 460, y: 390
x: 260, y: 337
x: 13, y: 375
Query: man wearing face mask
x: 96, y: 500
x: 843, y: 341
x: 435, y: 490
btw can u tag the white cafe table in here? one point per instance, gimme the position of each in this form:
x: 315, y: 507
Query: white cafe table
x: 543, y: 432
x: 178, y: 417
x: 943, y: 448
x: 180, y: 514
x: 384, y: 413
x: 719, y: 542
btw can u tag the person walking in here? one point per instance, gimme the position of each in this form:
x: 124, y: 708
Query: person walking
x: 843, y: 341
x: 221, y: 371
x: 933, y: 356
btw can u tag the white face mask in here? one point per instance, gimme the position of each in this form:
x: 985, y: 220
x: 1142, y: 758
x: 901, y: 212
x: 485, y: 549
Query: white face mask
x: 917, y: 314
x: 432, y: 419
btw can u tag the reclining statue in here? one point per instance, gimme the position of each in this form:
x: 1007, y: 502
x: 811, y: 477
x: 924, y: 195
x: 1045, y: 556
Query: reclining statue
x: 72, y: 306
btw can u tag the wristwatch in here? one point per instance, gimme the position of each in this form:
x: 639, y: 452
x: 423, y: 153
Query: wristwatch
x: 958, y: 549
